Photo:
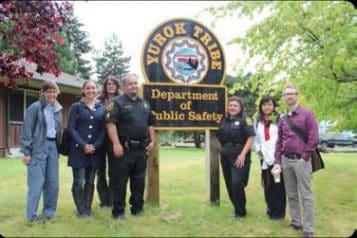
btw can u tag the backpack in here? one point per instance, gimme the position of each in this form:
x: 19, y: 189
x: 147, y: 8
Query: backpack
x: 66, y: 139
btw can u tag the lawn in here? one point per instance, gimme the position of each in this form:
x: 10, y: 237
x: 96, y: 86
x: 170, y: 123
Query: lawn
x: 183, y: 210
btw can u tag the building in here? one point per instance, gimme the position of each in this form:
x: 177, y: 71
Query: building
x: 13, y: 104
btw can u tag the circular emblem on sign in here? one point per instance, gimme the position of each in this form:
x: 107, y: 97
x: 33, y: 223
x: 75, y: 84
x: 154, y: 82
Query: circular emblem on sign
x: 185, y: 61
x: 183, y: 51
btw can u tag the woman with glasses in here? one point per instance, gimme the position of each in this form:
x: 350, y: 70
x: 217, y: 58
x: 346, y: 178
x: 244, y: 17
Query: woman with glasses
x: 110, y: 91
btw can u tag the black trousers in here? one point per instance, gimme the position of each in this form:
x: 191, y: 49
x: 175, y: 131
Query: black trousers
x: 274, y: 194
x: 132, y: 165
x: 103, y: 188
x: 236, y: 180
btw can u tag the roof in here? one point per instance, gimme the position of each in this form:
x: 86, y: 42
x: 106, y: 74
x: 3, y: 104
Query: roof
x: 62, y: 79
x: 66, y: 82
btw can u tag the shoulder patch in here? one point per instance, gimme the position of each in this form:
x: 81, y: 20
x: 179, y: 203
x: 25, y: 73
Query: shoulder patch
x: 248, y: 121
x: 110, y: 106
x: 146, y: 105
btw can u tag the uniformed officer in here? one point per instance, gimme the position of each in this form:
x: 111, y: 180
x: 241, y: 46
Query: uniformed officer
x: 236, y: 135
x: 130, y: 126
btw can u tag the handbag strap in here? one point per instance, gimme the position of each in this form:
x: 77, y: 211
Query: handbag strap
x: 297, y: 130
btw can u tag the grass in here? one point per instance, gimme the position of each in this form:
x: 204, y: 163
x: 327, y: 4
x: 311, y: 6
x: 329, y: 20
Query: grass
x: 183, y: 209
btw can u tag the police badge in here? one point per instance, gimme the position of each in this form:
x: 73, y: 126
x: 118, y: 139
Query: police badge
x: 110, y: 107
x: 248, y: 121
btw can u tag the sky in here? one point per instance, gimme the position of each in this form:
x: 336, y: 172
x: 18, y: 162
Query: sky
x: 133, y: 21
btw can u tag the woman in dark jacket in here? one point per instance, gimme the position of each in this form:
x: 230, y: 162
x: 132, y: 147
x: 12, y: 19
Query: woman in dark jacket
x: 86, y: 127
x: 236, y: 136
x: 109, y: 92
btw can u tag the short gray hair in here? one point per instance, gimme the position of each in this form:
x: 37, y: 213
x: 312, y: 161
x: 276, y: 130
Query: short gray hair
x: 290, y: 86
x: 127, y: 76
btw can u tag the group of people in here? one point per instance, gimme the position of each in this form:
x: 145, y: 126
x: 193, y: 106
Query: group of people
x: 118, y: 129
x: 114, y: 128
x: 279, y: 148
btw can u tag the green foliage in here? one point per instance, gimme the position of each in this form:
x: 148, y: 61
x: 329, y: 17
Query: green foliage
x: 111, y: 60
x: 242, y: 86
x: 80, y: 45
x: 184, y: 210
x: 67, y: 60
x: 76, y: 44
x: 310, y: 44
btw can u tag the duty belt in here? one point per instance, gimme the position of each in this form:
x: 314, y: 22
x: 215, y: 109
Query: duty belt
x: 135, y: 144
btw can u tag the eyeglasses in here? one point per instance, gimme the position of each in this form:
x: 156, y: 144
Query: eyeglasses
x: 290, y: 94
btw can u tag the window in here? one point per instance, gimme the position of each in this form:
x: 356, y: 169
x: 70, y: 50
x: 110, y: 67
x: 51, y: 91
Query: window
x: 31, y: 97
x: 18, y: 101
x: 16, y: 105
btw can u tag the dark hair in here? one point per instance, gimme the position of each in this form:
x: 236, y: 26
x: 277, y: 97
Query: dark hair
x: 239, y: 101
x: 49, y: 84
x: 85, y: 84
x: 104, y: 94
x: 265, y: 99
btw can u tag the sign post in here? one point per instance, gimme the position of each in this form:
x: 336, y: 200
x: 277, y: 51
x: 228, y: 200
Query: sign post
x: 212, y: 167
x: 184, y: 69
x: 153, y: 178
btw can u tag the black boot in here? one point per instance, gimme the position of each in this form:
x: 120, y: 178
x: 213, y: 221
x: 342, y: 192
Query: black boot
x: 88, y: 198
x: 78, y: 197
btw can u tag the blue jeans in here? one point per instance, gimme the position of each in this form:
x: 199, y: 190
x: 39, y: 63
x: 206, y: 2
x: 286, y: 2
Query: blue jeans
x: 42, y: 177
x: 81, y: 175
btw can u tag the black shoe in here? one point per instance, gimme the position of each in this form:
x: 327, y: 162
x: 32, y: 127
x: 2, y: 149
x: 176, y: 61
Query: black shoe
x: 119, y: 217
x: 138, y: 214
x: 237, y: 217
x: 83, y: 215
x: 295, y: 227
x: 47, y: 218
x: 276, y: 217
x: 38, y: 220
x: 105, y: 205
x: 307, y: 234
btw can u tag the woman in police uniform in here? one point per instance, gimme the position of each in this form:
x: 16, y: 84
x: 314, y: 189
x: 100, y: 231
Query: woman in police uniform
x: 87, y: 129
x: 236, y: 135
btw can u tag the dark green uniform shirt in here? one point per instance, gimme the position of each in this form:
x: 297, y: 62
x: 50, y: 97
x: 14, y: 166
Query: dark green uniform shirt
x: 132, y: 117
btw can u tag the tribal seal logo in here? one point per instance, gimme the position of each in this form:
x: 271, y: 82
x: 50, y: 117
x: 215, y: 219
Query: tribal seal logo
x: 183, y: 51
x: 185, y: 61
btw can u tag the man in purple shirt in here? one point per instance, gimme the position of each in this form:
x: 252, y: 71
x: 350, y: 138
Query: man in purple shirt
x: 293, y: 155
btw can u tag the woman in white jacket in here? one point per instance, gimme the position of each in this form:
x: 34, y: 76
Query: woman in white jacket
x: 266, y: 128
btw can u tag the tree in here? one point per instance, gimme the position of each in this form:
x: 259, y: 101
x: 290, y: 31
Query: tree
x: 242, y: 86
x: 29, y: 30
x: 111, y: 60
x: 310, y: 44
x: 79, y: 44
x: 67, y: 60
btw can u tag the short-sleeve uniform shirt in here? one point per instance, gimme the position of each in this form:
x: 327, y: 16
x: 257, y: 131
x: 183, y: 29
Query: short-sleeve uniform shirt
x: 132, y: 117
